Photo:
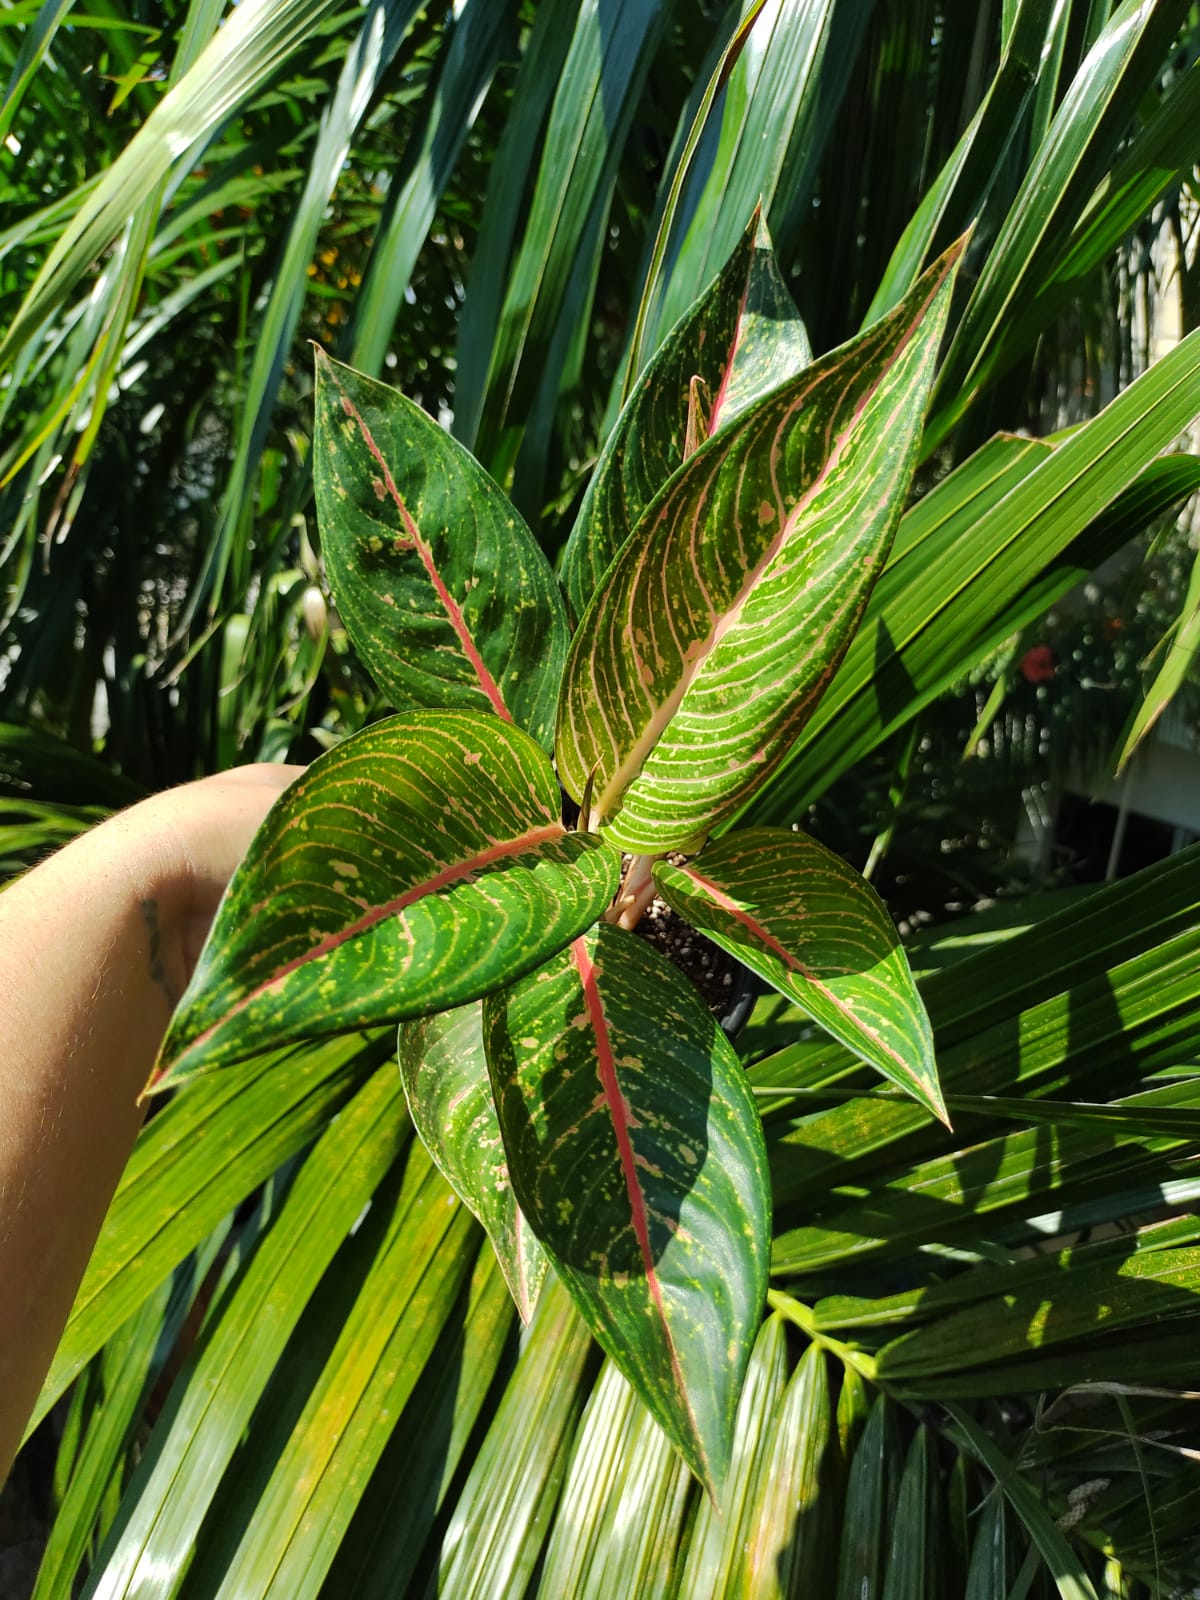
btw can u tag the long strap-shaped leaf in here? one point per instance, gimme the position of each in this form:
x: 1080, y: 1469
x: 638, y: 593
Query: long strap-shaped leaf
x: 722, y: 66
x: 963, y: 182
x: 445, y: 1074
x: 514, y: 163
x: 471, y: 47
x: 637, y: 1154
x: 442, y: 587
x: 34, y: 43
x: 498, y: 1519
x: 1142, y: 1289
x: 723, y: 620
x: 1075, y: 153
x: 1177, y: 652
x: 244, y: 54
x: 193, y: 1165
x: 742, y: 338
x: 1061, y: 1560
x: 406, y: 1306
x: 413, y: 868
x: 231, y: 1365
x: 611, y: 50
x: 811, y: 926
x: 621, y: 1504
x: 367, y: 61
x: 747, y: 150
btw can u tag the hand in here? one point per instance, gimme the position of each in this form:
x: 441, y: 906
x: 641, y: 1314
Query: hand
x: 183, y: 846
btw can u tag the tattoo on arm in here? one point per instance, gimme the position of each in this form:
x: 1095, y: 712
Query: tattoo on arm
x: 158, y: 971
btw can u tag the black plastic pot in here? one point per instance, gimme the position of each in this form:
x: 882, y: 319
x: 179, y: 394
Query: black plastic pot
x: 747, y: 987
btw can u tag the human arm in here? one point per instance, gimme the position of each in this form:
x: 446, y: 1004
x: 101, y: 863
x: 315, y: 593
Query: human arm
x: 96, y: 946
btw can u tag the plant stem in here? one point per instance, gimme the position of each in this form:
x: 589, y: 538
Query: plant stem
x: 795, y: 1311
x: 635, y: 894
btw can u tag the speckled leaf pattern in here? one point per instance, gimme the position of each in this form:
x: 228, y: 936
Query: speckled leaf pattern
x: 637, y: 1154
x: 412, y: 868
x: 742, y: 337
x: 443, y: 589
x: 724, y: 617
x: 445, y: 1076
x: 804, y: 920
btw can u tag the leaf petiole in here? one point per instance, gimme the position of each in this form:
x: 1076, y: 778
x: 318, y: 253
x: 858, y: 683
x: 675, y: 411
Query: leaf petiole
x: 635, y: 894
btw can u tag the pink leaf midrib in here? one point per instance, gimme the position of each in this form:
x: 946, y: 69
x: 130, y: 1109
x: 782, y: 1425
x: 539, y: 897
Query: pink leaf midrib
x: 657, y: 724
x: 606, y: 1069
x: 450, y: 605
x: 763, y: 935
x: 739, y: 328
x: 455, y: 873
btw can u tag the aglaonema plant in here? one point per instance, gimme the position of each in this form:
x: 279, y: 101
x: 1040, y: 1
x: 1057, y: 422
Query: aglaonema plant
x: 439, y: 870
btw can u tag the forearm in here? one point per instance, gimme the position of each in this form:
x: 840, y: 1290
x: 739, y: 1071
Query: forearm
x: 96, y: 945
x: 85, y: 1000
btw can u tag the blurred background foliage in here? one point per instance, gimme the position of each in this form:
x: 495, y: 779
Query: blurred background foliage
x: 465, y: 200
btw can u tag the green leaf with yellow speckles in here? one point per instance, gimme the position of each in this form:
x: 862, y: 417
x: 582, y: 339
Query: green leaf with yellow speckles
x: 742, y: 338
x: 805, y: 921
x: 728, y: 609
x: 412, y: 868
x: 442, y: 587
x: 637, y: 1154
x: 445, y: 1075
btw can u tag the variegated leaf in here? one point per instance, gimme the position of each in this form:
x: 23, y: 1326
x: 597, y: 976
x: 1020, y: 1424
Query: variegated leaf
x: 445, y: 1076
x: 410, y: 869
x: 742, y: 337
x: 637, y: 1154
x: 727, y: 612
x: 443, y: 589
x: 804, y: 920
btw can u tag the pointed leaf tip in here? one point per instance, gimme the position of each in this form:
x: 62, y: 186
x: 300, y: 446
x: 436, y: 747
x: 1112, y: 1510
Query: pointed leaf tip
x: 768, y: 540
x: 804, y: 920
x: 740, y: 338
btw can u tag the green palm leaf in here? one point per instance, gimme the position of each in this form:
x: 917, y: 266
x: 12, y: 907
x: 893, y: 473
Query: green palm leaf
x: 386, y: 1335
x: 244, y: 55
x: 194, y: 1164
x: 1073, y: 156
x: 243, y: 1343
x: 602, y: 76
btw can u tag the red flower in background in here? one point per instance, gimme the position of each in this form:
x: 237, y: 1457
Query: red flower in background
x: 1037, y: 665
